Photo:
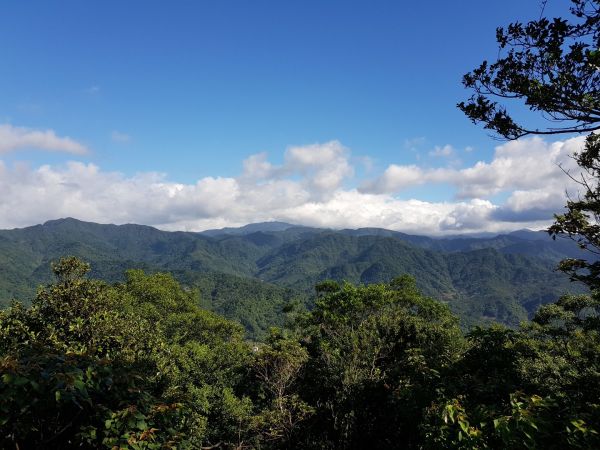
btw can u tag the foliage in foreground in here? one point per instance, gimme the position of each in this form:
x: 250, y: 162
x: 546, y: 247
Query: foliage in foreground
x: 139, y: 365
x: 551, y: 67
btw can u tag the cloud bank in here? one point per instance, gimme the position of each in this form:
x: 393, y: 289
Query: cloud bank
x: 315, y: 185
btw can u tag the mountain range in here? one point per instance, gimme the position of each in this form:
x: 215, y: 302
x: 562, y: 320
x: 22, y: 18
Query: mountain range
x: 250, y: 273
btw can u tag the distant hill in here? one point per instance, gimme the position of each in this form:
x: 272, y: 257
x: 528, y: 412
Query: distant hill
x: 250, y: 228
x: 250, y: 273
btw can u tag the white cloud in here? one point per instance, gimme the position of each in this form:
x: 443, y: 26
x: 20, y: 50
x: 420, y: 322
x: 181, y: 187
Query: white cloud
x: 353, y: 209
x: 325, y: 166
x: 397, y: 178
x: 313, y: 186
x: 257, y: 167
x: 526, y: 164
x: 15, y: 138
x: 322, y: 167
x: 472, y: 215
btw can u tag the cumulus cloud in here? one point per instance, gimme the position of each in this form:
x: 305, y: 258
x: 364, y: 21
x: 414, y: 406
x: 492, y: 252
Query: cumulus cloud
x: 15, y: 138
x: 396, y: 178
x: 531, y: 171
x: 312, y: 186
x: 325, y: 165
x: 257, y: 167
x: 84, y: 191
x: 322, y: 167
x: 526, y: 164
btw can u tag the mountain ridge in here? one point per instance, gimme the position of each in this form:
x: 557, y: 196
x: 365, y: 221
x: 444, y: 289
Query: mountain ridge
x: 255, y: 270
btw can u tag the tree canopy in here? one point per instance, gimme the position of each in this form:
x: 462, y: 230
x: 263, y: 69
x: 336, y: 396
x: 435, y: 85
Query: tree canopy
x: 552, y: 66
x: 140, y: 365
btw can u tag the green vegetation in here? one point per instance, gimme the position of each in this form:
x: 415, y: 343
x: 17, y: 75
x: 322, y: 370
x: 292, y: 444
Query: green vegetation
x: 140, y: 365
x: 136, y: 362
x: 551, y: 66
x: 250, y: 274
x: 131, y: 365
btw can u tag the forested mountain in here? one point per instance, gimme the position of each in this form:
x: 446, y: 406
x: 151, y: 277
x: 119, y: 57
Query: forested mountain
x: 250, y: 273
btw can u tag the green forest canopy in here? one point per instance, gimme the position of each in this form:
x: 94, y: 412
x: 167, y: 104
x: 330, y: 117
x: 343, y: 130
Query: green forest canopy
x: 140, y: 365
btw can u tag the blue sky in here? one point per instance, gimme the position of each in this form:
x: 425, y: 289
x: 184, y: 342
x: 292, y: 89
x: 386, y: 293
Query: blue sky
x: 190, y: 90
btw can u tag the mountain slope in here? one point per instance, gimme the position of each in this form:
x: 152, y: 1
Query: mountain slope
x: 249, y: 274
